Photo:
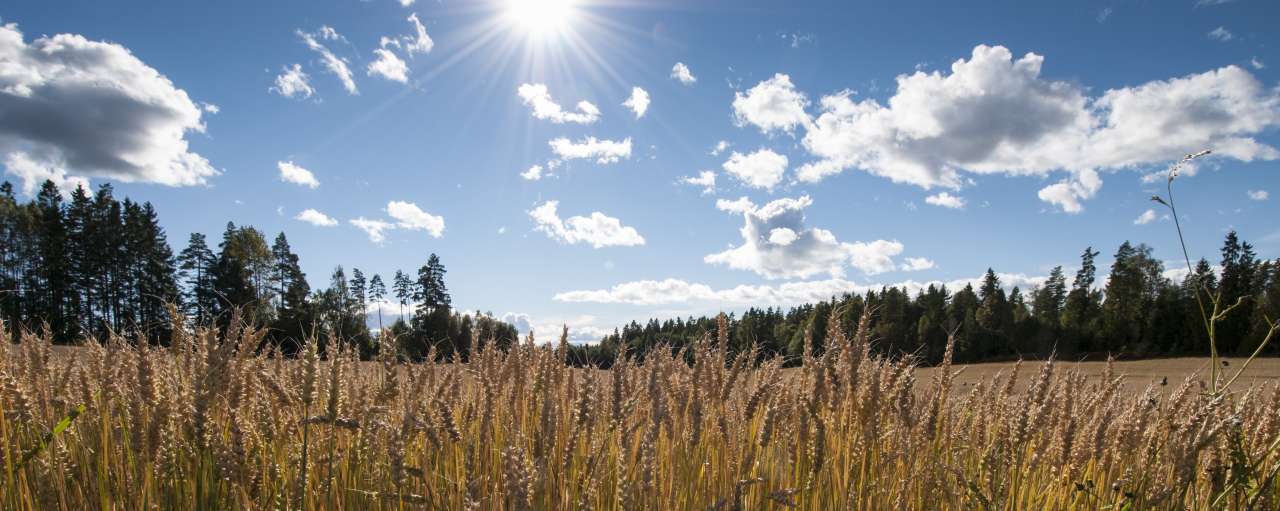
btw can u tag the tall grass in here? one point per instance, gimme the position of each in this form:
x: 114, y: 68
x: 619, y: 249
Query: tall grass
x: 209, y: 424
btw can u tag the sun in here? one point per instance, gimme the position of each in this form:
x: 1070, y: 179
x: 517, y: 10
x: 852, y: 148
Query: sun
x: 541, y: 17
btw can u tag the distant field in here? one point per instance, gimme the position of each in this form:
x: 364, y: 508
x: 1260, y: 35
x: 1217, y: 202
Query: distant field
x: 1138, y: 374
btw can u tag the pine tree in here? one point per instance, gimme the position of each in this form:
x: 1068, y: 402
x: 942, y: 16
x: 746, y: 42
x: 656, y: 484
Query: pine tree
x: 196, y: 263
x: 359, y: 289
x: 291, y: 283
x: 1082, y: 306
x: 403, y: 289
x: 377, y: 293
x: 155, y: 279
x: 1048, y: 300
x: 242, y: 272
x: 1239, y: 284
x: 53, y: 275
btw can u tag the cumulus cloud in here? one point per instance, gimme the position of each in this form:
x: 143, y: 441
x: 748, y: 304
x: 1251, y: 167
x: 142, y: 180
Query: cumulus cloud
x: 389, y: 66
x: 335, y: 64
x: 292, y: 173
x: 994, y: 114
x: 316, y: 218
x: 638, y: 102
x: 776, y: 244
x: 33, y: 174
x: 773, y: 104
x: 1146, y: 217
x: 740, y: 205
x: 582, y: 329
x: 917, y: 264
x: 536, y: 96
x: 1258, y: 195
x: 676, y: 291
x: 761, y: 169
x: 782, y: 236
x: 945, y: 200
x: 419, y: 42
x: 720, y: 147
x: 597, y: 230
x: 91, y: 108
x: 682, y: 73
x: 292, y: 82
x: 409, y: 216
x: 706, y: 179
x: 603, y: 151
x: 374, y: 228
x: 533, y: 174
x: 1069, y: 193
x: 1221, y: 34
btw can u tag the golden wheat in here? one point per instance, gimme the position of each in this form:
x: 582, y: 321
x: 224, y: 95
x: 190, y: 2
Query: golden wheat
x: 207, y: 423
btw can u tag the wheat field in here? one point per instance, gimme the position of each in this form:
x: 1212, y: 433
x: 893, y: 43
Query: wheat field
x: 207, y: 423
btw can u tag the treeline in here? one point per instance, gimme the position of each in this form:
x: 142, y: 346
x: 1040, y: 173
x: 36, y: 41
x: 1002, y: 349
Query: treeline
x: 93, y: 265
x: 1138, y: 312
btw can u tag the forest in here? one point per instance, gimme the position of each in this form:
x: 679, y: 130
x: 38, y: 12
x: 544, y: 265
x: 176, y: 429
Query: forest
x: 1137, y: 312
x: 92, y: 265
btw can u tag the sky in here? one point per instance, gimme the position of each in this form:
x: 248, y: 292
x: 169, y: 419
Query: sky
x: 588, y: 163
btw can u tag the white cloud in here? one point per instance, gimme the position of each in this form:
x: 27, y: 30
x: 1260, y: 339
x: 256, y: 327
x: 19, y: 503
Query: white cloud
x: 706, y: 179
x: 210, y: 107
x: 676, y: 291
x: 773, y: 104
x: 603, y: 151
x: 1221, y: 34
x: 1188, y: 169
x: 740, y: 205
x: 782, y: 236
x: 335, y: 64
x: 33, y: 174
x: 720, y: 147
x: 409, y: 216
x: 419, y: 42
x: 582, y: 329
x: 993, y: 114
x: 292, y: 173
x: 533, y: 174
x: 638, y: 102
x: 597, y: 230
x: 1256, y: 64
x: 1146, y: 217
x: 1206, y: 3
x: 389, y: 66
x: 917, y: 264
x: 536, y: 96
x: 776, y: 244
x: 1258, y: 195
x: 293, y: 83
x: 374, y: 228
x: 946, y: 200
x: 682, y: 73
x: 316, y: 218
x: 1068, y: 193
x: 761, y: 169
x: 1104, y: 14
x: 93, y: 109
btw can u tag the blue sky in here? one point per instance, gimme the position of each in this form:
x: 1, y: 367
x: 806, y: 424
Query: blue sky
x: 922, y: 141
